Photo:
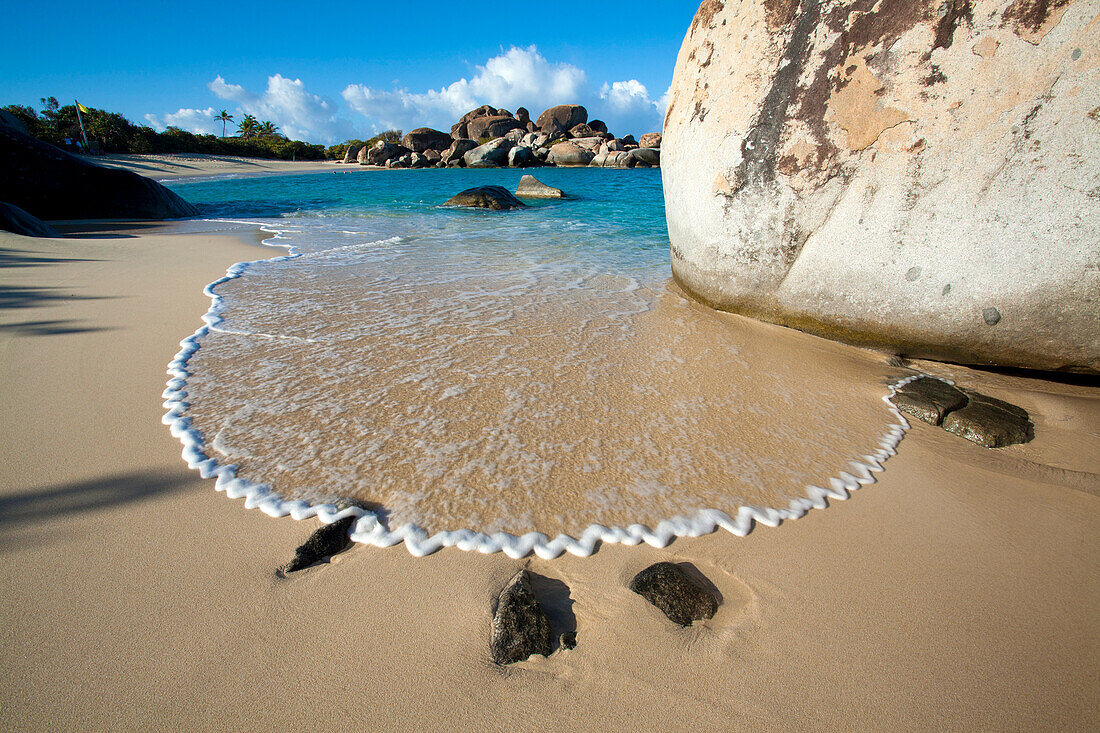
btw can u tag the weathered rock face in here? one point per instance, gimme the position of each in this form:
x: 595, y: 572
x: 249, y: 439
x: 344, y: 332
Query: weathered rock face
x: 520, y: 627
x: 532, y: 188
x: 562, y: 118
x: 492, y: 127
x: 362, y: 157
x: 582, y: 130
x: 49, y: 183
x: 383, y: 152
x: 650, y: 140
x: 679, y: 596
x: 497, y: 198
x: 458, y: 149
x: 598, y: 125
x: 351, y: 155
x: 493, y: 154
x: 569, y: 154
x: 888, y: 173
x: 522, y: 156
x: 523, y: 116
x: 649, y: 156
x: 425, y: 138
x: 15, y: 220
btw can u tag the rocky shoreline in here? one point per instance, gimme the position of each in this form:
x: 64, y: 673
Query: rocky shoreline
x: 488, y: 137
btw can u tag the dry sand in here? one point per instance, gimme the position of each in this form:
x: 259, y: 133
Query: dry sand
x: 191, y: 165
x: 960, y: 592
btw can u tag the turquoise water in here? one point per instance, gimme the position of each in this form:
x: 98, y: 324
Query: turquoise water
x: 531, y: 371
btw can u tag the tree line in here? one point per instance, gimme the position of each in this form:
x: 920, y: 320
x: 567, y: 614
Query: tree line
x: 115, y: 134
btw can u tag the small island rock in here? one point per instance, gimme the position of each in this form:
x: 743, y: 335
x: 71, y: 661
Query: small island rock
x: 486, y: 197
x: 532, y: 188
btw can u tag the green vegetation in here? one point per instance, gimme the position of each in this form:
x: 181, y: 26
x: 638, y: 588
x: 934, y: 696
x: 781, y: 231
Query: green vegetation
x: 113, y: 133
x: 336, y: 152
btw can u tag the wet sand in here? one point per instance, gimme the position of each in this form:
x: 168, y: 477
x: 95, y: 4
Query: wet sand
x: 192, y: 165
x: 960, y: 592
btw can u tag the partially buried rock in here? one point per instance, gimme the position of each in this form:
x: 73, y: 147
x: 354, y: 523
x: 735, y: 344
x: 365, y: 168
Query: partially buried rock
x: 15, y: 220
x: 532, y: 188
x: 929, y: 399
x: 325, y: 542
x: 990, y: 422
x: 486, y: 197
x: 677, y: 594
x: 520, y: 627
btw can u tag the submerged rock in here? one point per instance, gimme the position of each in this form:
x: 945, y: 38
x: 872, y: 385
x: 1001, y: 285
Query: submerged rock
x: 328, y: 540
x: 990, y: 422
x: 520, y: 627
x: 679, y: 596
x: 15, y: 220
x: 486, y: 197
x: 532, y: 188
x: 929, y: 399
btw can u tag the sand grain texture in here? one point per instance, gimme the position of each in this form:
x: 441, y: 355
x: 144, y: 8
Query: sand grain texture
x: 960, y: 592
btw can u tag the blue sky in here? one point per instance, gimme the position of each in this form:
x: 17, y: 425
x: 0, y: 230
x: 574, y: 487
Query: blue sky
x: 326, y: 71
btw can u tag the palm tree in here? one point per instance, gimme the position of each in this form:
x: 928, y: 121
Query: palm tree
x: 224, y: 116
x: 268, y: 129
x: 248, y: 127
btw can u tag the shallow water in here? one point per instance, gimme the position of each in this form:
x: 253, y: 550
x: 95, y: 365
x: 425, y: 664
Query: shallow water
x: 516, y: 372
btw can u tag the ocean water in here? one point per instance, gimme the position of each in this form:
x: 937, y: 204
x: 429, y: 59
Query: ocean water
x: 474, y: 377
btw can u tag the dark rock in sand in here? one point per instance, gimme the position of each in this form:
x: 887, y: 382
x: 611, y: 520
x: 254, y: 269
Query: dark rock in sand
x: 562, y: 118
x: 520, y: 627
x: 990, y: 422
x: 486, y: 197
x: 568, y: 640
x: 49, y: 183
x: 532, y: 188
x: 679, y: 596
x: 327, y: 541
x: 929, y: 399
x: 425, y: 138
x: 15, y: 220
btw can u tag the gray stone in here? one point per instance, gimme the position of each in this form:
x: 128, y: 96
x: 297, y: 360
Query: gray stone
x: 486, y: 197
x: 363, y: 156
x: 649, y: 156
x: 492, y: 127
x: 383, y: 152
x: 562, y: 118
x: 425, y: 138
x: 569, y: 154
x: 679, y: 596
x: 493, y: 154
x: 522, y: 157
x: 351, y: 155
x: 327, y: 541
x: 520, y: 627
x: 804, y: 176
x: 990, y: 422
x: 458, y: 149
x: 532, y: 188
x: 929, y: 399
x: 582, y: 130
x: 991, y: 316
x: 15, y: 220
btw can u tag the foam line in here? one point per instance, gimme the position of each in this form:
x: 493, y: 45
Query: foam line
x: 368, y: 530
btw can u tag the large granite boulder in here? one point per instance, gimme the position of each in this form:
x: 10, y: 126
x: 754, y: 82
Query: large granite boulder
x: 523, y: 116
x: 562, y: 118
x: 50, y: 184
x: 650, y: 140
x: 497, y: 198
x: 425, y: 138
x: 570, y: 154
x: 918, y: 176
x: 649, y: 156
x: 522, y: 156
x: 15, y: 220
x: 351, y: 155
x: 461, y: 128
x: 458, y: 148
x: 492, y: 127
x: 598, y: 125
x: 582, y: 130
x: 493, y: 154
x: 532, y: 188
x: 383, y: 152
x: 363, y: 156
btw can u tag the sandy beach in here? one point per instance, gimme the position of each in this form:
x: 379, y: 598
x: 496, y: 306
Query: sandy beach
x: 194, y: 165
x: 960, y: 592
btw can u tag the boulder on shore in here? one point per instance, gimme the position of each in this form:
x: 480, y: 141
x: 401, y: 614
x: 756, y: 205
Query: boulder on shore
x: 351, y: 154
x: 362, y: 156
x: 492, y: 127
x: 493, y: 154
x: 497, y: 198
x: 15, y: 220
x: 458, y: 149
x: 917, y: 176
x: 569, y: 154
x: 650, y: 140
x: 425, y: 138
x: 562, y: 118
x: 532, y: 188
x: 520, y: 626
x: 649, y: 156
x: 522, y: 156
x: 383, y: 152
x: 50, y: 184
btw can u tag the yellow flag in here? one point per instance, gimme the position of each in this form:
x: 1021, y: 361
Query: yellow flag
x: 82, y: 108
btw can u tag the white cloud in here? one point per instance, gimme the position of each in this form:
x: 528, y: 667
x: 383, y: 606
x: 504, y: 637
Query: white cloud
x: 299, y: 113
x: 516, y: 78
x: 198, y: 121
